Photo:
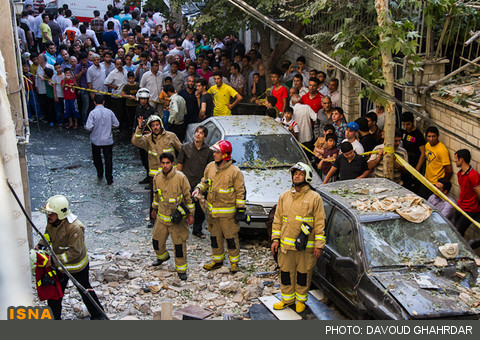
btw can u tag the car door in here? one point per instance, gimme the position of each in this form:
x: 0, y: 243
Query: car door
x: 320, y: 267
x: 340, y: 257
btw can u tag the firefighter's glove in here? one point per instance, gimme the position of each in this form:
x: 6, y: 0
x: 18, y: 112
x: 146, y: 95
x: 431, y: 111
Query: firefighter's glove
x: 302, y: 238
x: 180, y: 213
x: 242, y: 216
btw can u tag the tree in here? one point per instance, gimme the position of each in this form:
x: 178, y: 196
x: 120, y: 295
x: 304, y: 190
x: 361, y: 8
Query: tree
x: 384, y: 23
x: 221, y: 18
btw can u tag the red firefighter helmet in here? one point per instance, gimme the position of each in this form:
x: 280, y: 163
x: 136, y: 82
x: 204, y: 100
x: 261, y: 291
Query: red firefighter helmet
x: 224, y: 147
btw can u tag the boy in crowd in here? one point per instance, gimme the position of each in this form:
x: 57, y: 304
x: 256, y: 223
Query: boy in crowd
x: 49, y: 104
x: 330, y: 153
x: 445, y: 208
x: 70, y: 99
x: 338, y: 123
x: 321, y: 142
x: 129, y: 92
x: 289, y: 123
x: 58, y: 93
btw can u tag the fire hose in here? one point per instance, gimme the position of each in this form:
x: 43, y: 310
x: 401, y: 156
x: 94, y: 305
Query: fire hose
x: 52, y: 253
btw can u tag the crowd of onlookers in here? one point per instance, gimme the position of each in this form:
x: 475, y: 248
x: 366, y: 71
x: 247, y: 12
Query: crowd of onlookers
x: 191, y: 77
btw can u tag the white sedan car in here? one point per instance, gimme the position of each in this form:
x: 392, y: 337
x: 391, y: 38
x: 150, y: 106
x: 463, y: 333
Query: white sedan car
x: 264, y: 151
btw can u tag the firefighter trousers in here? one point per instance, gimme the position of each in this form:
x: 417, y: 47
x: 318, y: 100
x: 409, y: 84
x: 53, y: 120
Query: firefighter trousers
x: 83, y: 278
x: 224, y: 228
x: 296, y: 268
x: 179, y: 235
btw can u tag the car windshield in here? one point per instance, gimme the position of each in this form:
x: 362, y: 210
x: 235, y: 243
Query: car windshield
x: 265, y: 151
x: 399, y: 242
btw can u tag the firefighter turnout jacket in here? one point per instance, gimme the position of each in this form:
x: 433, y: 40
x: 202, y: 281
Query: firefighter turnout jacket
x: 293, y: 210
x: 68, y: 242
x: 225, y: 187
x: 155, y: 145
x: 169, y: 192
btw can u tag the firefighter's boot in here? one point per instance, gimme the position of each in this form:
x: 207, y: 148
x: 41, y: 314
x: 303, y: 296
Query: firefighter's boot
x: 158, y: 262
x: 300, y: 307
x: 212, y: 265
x: 234, y: 268
x: 281, y: 305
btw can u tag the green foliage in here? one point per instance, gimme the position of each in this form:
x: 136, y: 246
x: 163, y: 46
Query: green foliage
x: 356, y: 40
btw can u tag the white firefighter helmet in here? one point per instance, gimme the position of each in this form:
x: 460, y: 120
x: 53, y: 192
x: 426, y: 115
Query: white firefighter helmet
x: 154, y: 118
x: 143, y: 93
x: 57, y: 204
x: 305, y: 168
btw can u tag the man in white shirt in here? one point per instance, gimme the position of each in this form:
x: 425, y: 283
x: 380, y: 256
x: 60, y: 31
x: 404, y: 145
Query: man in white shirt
x: 153, y: 81
x: 96, y: 76
x: 115, y: 81
x: 178, y: 110
x: 189, y: 46
x: 303, y: 116
x: 351, y: 136
x: 116, y: 23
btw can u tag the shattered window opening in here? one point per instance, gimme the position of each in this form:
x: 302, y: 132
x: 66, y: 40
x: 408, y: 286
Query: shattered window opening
x: 266, y: 151
x: 399, y: 242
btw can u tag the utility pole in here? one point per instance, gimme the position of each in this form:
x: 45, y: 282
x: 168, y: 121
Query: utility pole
x: 384, y: 20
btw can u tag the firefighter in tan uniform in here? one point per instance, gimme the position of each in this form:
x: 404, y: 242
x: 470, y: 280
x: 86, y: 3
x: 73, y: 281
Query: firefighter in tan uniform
x: 298, y: 236
x: 173, y: 208
x: 66, y: 235
x: 226, y: 205
x: 155, y: 143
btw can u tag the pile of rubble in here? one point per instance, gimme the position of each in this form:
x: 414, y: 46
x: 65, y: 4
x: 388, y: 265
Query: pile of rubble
x: 129, y: 287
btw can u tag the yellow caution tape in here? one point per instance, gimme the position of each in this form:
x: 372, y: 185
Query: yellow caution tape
x: 303, y: 146
x: 91, y: 90
x: 427, y: 183
x: 433, y: 188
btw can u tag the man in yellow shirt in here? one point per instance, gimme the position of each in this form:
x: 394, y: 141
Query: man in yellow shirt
x: 130, y: 43
x: 45, y: 29
x: 438, y: 160
x: 221, y: 96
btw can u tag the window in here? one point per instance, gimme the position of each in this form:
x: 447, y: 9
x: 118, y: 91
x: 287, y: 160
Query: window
x: 214, y: 134
x: 340, y: 235
x: 328, y: 208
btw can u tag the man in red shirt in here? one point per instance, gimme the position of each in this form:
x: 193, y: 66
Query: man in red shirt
x: 279, y: 91
x: 313, y: 98
x: 469, y: 199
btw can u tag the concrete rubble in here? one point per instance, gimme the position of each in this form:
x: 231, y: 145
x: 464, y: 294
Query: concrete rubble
x: 132, y: 289
x: 119, y: 243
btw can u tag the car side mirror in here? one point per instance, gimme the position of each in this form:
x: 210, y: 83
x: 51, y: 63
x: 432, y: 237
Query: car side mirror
x: 344, y: 262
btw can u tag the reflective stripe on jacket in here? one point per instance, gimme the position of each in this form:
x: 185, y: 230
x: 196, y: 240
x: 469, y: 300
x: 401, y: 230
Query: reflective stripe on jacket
x: 172, y: 190
x: 293, y: 210
x: 68, y: 242
x: 225, y: 187
x: 156, y: 145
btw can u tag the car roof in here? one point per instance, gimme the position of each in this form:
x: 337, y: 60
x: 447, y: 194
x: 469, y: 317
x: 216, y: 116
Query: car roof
x: 249, y: 125
x: 346, y: 192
